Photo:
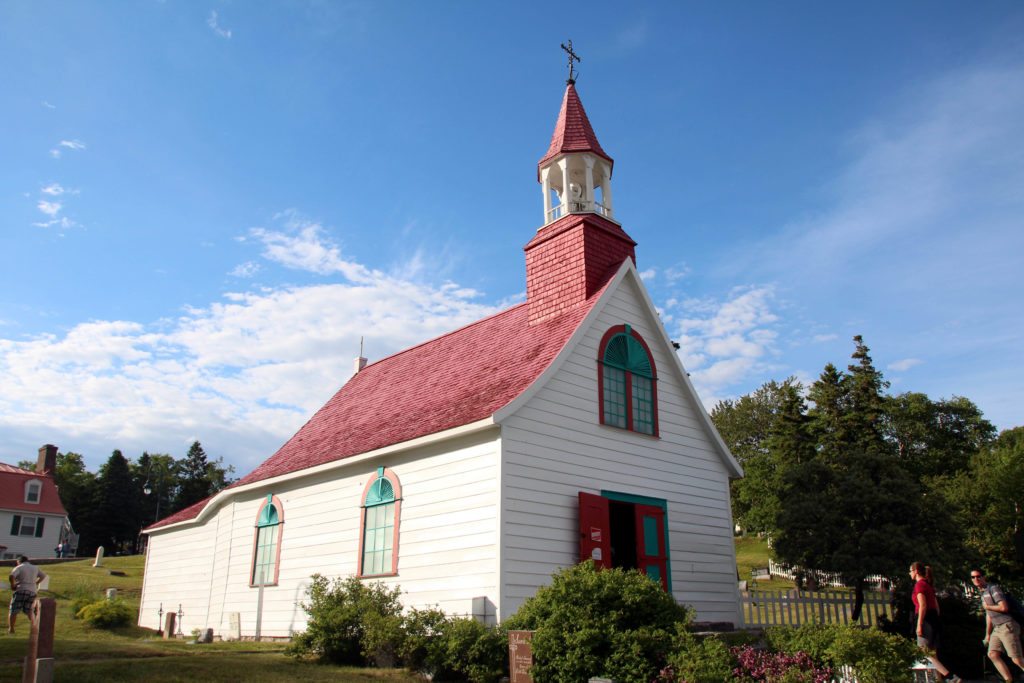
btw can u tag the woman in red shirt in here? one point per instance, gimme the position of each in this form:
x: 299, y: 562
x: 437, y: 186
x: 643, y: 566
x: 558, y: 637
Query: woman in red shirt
x: 926, y: 616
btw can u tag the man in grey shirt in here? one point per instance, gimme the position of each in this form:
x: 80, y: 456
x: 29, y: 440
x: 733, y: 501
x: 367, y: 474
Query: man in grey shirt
x: 1002, y: 633
x: 25, y: 579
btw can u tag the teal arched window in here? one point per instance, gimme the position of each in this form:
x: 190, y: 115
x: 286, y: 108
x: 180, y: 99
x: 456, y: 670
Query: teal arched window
x: 382, y: 500
x: 267, y: 545
x: 628, y: 382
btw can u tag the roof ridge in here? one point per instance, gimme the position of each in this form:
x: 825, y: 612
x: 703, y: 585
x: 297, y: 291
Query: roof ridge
x: 446, y: 334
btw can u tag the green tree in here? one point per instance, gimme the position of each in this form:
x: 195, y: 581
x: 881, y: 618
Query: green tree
x: 989, y: 498
x: 114, y: 502
x: 77, y: 488
x: 746, y: 425
x: 198, y: 478
x: 852, y: 509
x: 935, y: 437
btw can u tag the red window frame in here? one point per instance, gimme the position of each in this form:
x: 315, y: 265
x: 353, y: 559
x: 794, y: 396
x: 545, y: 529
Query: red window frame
x: 602, y: 347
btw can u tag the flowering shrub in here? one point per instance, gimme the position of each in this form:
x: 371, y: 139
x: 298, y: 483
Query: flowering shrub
x: 777, y: 667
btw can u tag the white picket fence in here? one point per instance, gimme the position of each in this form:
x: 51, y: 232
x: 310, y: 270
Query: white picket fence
x: 794, y: 608
x: 823, y: 578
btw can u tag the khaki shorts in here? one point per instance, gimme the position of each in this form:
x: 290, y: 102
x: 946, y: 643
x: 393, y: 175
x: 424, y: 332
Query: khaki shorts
x: 1006, y: 638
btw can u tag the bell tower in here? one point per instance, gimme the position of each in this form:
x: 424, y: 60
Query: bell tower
x: 579, y: 245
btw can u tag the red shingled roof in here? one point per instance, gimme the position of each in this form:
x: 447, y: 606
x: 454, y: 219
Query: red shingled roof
x: 12, y: 492
x: 573, y: 132
x: 453, y: 380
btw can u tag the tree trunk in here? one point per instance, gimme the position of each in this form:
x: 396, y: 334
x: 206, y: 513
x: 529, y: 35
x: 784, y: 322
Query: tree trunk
x: 858, y: 603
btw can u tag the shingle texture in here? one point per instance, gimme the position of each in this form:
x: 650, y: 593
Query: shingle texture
x: 570, y: 259
x: 12, y: 492
x: 453, y: 380
x: 573, y: 132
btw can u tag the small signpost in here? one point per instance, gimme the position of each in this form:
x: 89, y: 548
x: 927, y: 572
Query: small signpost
x: 520, y: 656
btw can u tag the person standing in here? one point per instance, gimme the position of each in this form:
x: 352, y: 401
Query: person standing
x: 1002, y: 632
x: 926, y: 619
x: 25, y: 579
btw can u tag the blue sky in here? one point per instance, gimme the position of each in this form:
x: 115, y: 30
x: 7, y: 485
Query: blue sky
x: 205, y: 205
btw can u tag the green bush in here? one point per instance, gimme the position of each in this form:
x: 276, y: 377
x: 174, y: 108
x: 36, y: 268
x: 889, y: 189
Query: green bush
x: 350, y: 622
x: 612, y: 623
x: 454, y: 649
x: 876, y: 656
x: 106, y: 613
x: 424, y: 648
x: 696, y: 659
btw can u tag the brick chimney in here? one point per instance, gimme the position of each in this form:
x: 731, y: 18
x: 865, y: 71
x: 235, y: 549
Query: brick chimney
x: 570, y: 259
x: 47, y: 463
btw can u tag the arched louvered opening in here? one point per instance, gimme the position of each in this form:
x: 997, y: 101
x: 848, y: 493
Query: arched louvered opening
x: 379, y: 532
x: 626, y: 373
x: 267, y: 544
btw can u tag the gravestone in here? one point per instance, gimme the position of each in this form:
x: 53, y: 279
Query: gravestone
x: 169, y: 620
x: 39, y: 663
x: 235, y: 626
x: 520, y: 656
x: 111, y: 593
x: 99, y: 557
x: 206, y: 636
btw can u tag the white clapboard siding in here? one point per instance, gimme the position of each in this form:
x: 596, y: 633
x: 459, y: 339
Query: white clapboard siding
x: 554, y: 446
x: 447, y: 544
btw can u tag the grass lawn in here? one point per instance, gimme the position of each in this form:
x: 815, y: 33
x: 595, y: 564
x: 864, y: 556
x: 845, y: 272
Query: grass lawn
x: 131, y: 653
x: 751, y: 552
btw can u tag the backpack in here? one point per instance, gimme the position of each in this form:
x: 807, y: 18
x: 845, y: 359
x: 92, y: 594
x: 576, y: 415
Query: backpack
x: 1016, y: 610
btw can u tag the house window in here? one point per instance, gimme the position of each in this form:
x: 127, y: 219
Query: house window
x: 33, y: 489
x: 627, y: 382
x: 382, y: 504
x: 23, y: 525
x: 267, y: 544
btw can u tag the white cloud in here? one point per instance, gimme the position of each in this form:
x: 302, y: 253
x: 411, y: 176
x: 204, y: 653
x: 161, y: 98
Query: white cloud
x: 245, y: 270
x: 241, y: 374
x: 47, y: 105
x: 215, y: 26
x: 819, y: 338
x: 904, y: 365
x: 51, y: 209
x: 53, y: 189
x: 72, y: 144
x: 725, y: 343
x: 648, y: 275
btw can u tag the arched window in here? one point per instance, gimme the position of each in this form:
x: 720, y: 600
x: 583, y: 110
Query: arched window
x: 382, y: 504
x: 266, y: 553
x: 628, y: 391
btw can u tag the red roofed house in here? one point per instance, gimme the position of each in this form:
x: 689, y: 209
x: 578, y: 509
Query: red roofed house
x: 32, y: 518
x: 471, y: 467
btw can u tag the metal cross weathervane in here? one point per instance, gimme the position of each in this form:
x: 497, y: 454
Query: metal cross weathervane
x: 572, y: 56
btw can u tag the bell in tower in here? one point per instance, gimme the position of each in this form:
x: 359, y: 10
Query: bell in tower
x: 576, y: 173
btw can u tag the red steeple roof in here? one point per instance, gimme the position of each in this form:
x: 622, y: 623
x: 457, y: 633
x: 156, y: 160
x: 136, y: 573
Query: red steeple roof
x: 573, y: 132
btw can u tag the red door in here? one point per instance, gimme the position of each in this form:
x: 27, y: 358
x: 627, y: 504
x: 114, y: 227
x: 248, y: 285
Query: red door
x: 650, y: 543
x: 595, y: 541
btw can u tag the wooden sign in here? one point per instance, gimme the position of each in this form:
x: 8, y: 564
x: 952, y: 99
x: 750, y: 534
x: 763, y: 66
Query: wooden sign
x: 520, y: 656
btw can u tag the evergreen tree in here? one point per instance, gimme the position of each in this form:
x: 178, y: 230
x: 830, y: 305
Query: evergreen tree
x: 866, y: 402
x: 828, y: 428
x: 853, y: 509
x: 115, y: 506
x: 194, y: 478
